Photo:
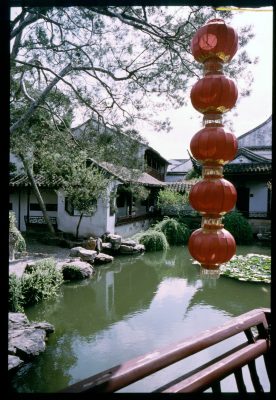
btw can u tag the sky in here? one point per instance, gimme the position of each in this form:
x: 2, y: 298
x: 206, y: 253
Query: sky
x: 252, y: 111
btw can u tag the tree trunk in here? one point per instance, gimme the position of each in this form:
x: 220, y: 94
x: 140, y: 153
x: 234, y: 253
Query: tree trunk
x: 37, y: 194
x: 78, y: 226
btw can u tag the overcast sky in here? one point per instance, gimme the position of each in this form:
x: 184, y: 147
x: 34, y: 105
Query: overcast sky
x: 252, y: 111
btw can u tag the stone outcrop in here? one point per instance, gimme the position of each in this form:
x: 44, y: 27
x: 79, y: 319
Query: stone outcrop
x: 83, y: 254
x: 115, y: 241
x: 26, y: 340
x: 75, y: 269
x: 128, y: 242
x: 102, y: 258
x: 138, y: 248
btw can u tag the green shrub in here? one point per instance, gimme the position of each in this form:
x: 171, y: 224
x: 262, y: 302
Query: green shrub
x: 171, y: 202
x: 72, y: 272
x: 16, y: 298
x: 154, y: 240
x: 41, y: 282
x: 175, y: 232
x: 239, y: 227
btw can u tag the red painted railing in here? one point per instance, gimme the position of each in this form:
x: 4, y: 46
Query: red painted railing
x: 257, y: 344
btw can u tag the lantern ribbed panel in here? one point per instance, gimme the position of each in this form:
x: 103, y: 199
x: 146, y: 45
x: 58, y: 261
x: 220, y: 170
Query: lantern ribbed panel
x: 213, y: 197
x: 215, y: 39
x: 214, y: 93
x: 213, y: 44
x: 213, y: 143
x: 212, y: 248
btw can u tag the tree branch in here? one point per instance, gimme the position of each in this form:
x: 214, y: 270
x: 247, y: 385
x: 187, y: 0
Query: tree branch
x: 25, y: 117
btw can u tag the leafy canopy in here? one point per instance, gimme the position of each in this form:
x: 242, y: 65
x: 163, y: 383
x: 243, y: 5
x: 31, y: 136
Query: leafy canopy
x: 118, y: 63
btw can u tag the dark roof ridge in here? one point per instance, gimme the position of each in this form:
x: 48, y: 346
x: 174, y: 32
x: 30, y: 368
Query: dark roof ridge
x: 250, y: 154
x: 254, y: 129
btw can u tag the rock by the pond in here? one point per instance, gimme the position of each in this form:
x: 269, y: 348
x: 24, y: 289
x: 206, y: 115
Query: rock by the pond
x: 83, y: 254
x: 139, y: 248
x: 124, y: 249
x: 43, y: 325
x: 14, y: 362
x: 128, y: 242
x: 76, y: 269
x: 102, y: 258
x: 90, y: 244
x: 18, y: 321
x: 115, y: 241
x: 106, y: 246
x: 26, y: 339
x: 28, y: 342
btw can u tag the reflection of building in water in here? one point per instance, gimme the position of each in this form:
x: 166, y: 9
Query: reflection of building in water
x: 119, y: 292
x: 109, y: 294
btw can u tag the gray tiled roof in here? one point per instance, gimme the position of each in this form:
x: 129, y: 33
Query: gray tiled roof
x: 23, y: 181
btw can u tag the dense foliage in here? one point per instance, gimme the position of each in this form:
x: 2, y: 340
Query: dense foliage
x: 140, y: 61
x: 40, y: 282
x: 171, y: 202
x: 239, y: 227
x: 175, y: 232
x: 154, y: 240
x: 252, y: 268
x: 16, y: 298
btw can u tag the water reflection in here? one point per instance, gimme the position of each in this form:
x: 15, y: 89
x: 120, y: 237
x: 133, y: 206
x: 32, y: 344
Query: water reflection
x: 128, y: 308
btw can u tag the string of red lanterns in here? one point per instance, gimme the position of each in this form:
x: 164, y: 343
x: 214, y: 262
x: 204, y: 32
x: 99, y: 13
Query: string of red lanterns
x: 213, y: 45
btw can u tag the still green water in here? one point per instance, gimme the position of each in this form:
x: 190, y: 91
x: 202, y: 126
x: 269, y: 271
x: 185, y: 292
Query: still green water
x: 133, y: 306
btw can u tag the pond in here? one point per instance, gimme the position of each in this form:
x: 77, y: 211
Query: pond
x: 133, y: 306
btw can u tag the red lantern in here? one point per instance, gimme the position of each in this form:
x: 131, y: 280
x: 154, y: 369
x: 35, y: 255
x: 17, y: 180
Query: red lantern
x: 211, y: 248
x: 212, y: 143
x: 214, y: 94
x: 213, y: 197
x: 215, y: 40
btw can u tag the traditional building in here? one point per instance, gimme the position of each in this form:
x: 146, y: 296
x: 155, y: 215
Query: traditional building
x: 178, y: 169
x: 121, y: 212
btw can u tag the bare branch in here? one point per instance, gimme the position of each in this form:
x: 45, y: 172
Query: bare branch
x: 26, y: 116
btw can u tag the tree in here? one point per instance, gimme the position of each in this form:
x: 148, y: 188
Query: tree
x: 115, y: 64
x: 84, y: 185
x: 47, y: 148
x: 119, y: 64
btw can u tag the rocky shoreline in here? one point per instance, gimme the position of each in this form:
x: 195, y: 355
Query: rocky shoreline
x: 26, y: 340
x: 91, y: 251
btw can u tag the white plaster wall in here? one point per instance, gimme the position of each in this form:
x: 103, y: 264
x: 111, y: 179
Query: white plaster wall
x: 259, y: 200
x: 48, y: 196
x: 128, y: 230
x: 90, y: 225
x: 95, y: 225
x: 15, y: 205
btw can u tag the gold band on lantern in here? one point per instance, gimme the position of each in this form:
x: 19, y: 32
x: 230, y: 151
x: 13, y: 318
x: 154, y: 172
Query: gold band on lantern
x: 212, y: 171
x: 213, y: 66
x: 212, y: 120
x: 220, y: 109
x: 221, y: 55
x: 208, y: 223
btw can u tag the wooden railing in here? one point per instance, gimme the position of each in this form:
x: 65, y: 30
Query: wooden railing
x: 38, y: 220
x: 208, y: 375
